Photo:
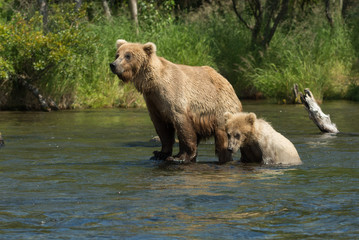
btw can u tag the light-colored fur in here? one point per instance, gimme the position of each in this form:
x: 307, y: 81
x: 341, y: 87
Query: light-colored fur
x: 258, y: 141
x: 188, y: 100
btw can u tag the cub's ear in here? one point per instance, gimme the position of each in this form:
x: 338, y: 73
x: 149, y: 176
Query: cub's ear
x: 251, y: 118
x: 149, y: 48
x: 227, y: 116
x: 120, y: 42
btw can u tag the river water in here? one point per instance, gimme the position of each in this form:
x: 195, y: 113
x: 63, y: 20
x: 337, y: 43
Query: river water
x: 88, y: 174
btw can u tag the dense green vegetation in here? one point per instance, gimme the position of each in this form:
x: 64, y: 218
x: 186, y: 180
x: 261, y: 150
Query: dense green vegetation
x: 67, y: 56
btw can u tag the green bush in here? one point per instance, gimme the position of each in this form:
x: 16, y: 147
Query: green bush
x: 36, y: 55
x: 67, y: 61
x: 353, y: 92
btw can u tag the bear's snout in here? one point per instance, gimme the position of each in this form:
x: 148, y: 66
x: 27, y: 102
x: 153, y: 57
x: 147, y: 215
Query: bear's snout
x: 113, y: 67
x: 230, y: 149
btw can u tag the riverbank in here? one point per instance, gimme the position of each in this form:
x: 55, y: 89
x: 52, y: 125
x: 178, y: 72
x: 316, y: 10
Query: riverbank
x: 69, y: 61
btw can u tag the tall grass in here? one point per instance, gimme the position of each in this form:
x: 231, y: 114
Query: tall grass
x: 229, y: 45
x: 314, y: 55
x: 89, y: 77
x: 87, y: 81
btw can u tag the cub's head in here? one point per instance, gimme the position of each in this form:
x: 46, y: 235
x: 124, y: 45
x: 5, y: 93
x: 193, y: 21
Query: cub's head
x: 239, y: 128
x: 131, y: 58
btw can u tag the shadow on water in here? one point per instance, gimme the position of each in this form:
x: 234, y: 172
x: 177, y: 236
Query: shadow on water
x: 87, y: 174
x: 215, y: 167
x: 146, y: 144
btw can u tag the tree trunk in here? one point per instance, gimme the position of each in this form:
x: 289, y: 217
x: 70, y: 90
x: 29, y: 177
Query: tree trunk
x: 296, y: 94
x: 265, y: 19
x: 78, y: 5
x: 270, y: 30
x: 328, y: 13
x: 106, y: 9
x: 316, y: 114
x: 45, y: 106
x: 133, y: 9
x: 2, y: 143
x: 44, y: 13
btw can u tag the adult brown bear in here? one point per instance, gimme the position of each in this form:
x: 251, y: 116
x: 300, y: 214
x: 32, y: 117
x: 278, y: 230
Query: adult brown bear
x: 184, y: 99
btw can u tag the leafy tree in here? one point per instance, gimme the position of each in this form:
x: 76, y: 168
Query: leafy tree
x: 263, y: 18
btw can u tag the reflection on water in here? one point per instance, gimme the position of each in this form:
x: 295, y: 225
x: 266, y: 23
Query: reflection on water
x: 87, y: 174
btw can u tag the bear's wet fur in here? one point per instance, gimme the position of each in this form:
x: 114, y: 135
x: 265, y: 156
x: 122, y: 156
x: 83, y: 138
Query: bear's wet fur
x: 188, y: 100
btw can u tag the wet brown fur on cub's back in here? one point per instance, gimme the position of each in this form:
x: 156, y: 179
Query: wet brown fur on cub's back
x: 186, y: 99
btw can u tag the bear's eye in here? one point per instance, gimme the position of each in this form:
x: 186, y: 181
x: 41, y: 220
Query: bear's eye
x: 238, y: 136
x: 116, y: 56
x: 128, y: 56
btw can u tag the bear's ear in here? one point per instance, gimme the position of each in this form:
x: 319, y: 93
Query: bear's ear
x: 149, y: 48
x: 251, y: 118
x: 227, y: 116
x: 120, y: 42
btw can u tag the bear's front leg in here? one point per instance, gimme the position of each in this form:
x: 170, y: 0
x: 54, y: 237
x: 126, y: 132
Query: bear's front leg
x: 187, y: 138
x: 166, y: 133
x: 160, y: 155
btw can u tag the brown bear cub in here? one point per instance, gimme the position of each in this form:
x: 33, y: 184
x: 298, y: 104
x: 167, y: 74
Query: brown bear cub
x: 190, y: 101
x: 258, y: 141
